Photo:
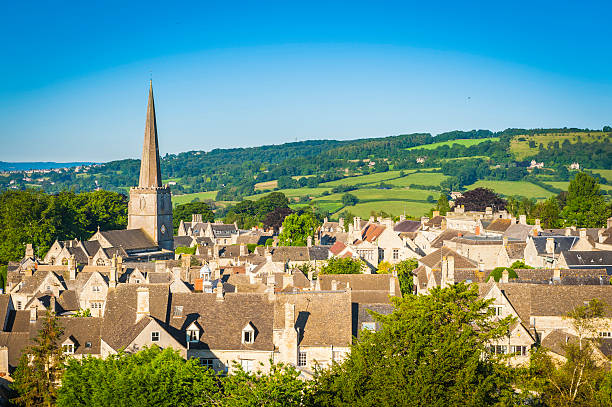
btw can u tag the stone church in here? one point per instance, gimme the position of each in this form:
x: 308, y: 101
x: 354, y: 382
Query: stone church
x: 149, y: 232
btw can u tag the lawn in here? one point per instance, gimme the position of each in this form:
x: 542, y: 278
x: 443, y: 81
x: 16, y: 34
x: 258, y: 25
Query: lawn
x: 370, y: 194
x: 365, y: 179
x: 364, y: 209
x: 202, y: 196
x: 508, y: 188
x: 463, y: 142
x: 607, y: 174
x: 262, y: 186
x: 419, y: 178
x: 521, y: 149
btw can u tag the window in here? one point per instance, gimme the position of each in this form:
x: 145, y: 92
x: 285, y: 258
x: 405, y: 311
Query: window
x: 178, y: 311
x: 247, y: 337
x: 301, y: 358
x: 48, y: 288
x: 499, y: 349
x: 193, y: 335
x: 605, y: 334
x: 88, y: 345
x: 155, y: 336
x: 247, y: 365
x: 518, y: 350
x: 207, y: 362
x: 497, y: 310
x: 95, y: 305
x: 95, y: 288
x: 18, y: 305
x: 68, y: 349
x: 370, y: 326
x: 395, y: 254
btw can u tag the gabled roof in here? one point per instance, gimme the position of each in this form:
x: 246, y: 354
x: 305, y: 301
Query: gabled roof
x: 436, y: 221
x: 318, y: 252
x: 447, y: 234
x: 562, y: 243
x: 499, y: 225
x: 518, y: 231
x: 515, y: 251
x: 372, y: 231
x: 283, y: 254
x: 129, y: 239
x: 337, y: 248
x: 434, y: 260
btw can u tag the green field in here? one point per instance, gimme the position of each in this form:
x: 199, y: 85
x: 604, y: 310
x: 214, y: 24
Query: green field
x: 607, y: 174
x: 509, y: 188
x: 365, y: 179
x: 419, y: 178
x: 185, y: 198
x: 463, y: 142
x: 293, y: 193
x: 262, y: 186
x: 369, y: 194
x: 364, y: 209
x: 521, y: 149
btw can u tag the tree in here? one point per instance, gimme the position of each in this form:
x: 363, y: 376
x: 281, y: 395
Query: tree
x: 479, y: 199
x: 151, y: 377
x: 344, y: 265
x: 575, y: 381
x: 274, y: 220
x: 349, y: 199
x: 41, y: 366
x: 297, y: 228
x: 443, y: 206
x: 428, y: 352
x: 384, y: 267
x: 548, y: 212
x: 278, y: 388
x: 183, y: 213
x: 585, y: 206
x: 404, y: 271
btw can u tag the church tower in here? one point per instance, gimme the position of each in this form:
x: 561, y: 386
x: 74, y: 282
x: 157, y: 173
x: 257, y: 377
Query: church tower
x: 150, y: 207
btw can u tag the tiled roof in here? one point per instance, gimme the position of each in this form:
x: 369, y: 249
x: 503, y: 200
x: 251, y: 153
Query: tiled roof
x: 562, y: 243
x: 518, y: 231
x: 372, y: 232
x: 516, y: 251
x: 407, y: 226
x: 436, y: 221
x: 337, y: 248
x: 588, y: 258
x: 318, y: 252
x: 434, y: 260
x: 567, y: 276
x: 129, y: 239
x: 447, y: 234
x: 284, y: 254
x: 499, y: 225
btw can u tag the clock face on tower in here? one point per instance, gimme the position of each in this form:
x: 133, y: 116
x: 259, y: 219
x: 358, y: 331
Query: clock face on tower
x: 163, y: 229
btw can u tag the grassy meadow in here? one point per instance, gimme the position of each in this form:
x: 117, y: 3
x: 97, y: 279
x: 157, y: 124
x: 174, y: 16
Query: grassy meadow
x: 463, y: 142
x: 519, y: 145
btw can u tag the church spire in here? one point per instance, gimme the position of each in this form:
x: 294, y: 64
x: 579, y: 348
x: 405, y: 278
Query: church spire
x: 150, y: 172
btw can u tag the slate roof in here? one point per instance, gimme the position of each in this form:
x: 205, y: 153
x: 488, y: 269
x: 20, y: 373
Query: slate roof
x: 129, y: 239
x: 436, y: 221
x: 567, y: 276
x: 324, y: 318
x: 434, y: 260
x: 447, y: 234
x: 183, y: 241
x: 82, y: 331
x: 223, y: 230
x: 407, y: 226
x: 318, y: 252
x: 518, y: 231
x: 598, y: 258
x: 562, y: 243
x: 283, y: 254
x: 15, y: 342
x: 498, y: 225
x: 222, y: 322
x: 515, y: 251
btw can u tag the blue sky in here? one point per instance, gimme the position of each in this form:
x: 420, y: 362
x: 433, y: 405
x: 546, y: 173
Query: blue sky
x: 226, y: 74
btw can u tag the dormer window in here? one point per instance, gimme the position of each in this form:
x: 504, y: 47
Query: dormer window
x: 248, y: 334
x: 95, y: 288
x: 68, y: 347
x: 193, y: 333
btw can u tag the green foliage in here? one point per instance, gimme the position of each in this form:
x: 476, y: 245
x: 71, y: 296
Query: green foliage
x: 404, y: 271
x: 151, y: 377
x: 280, y: 387
x: 251, y: 247
x: 585, y: 206
x: 35, y: 217
x: 520, y: 264
x: 384, y: 267
x: 3, y: 271
x: 346, y: 265
x: 442, y: 205
x: 297, y: 228
x: 185, y: 250
x: 428, y: 352
x: 349, y: 199
x: 549, y: 213
x: 82, y: 313
x: 496, y: 273
x: 41, y: 365
x: 183, y: 212
x: 248, y: 213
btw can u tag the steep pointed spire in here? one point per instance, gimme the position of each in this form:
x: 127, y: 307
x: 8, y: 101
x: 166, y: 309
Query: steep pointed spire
x: 150, y: 172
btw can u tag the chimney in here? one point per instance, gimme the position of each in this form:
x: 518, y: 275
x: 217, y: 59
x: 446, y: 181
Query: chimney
x: 287, y: 280
x: 489, y: 211
x: 52, y: 304
x: 219, y: 290
x: 444, y: 272
x: 289, y: 316
x: 505, y: 276
x: 186, y: 261
x: 535, y: 231
x: 325, y: 220
x: 334, y: 285
x: 556, y: 274
x: 550, y: 245
x: 477, y: 230
x: 583, y: 234
x: 357, y: 223
x: 318, y: 285
x: 371, y: 220
x: 29, y: 252
x: 391, y: 285
x: 451, y: 270
x: 402, y: 218
x: 270, y: 287
x: 537, y: 223
x: 568, y: 231
x: 341, y: 223
x: 33, y: 315
x: 142, y: 303
x: 90, y: 261
x: 600, y: 236
x: 523, y: 219
x: 72, y: 267
x: 443, y: 224
x: 176, y: 273
x: 268, y: 254
x: 505, y: 241
x: 609, y: 224
x: 309, y: 241
x: 243, y: 249
x: 480, y: 265
x: 435, y: 213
